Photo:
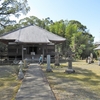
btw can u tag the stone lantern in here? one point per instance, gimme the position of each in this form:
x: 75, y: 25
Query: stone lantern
x: 69, y: 60
x: 70, y: 69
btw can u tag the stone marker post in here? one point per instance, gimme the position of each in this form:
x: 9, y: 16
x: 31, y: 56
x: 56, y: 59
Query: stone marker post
x: 48, y: 64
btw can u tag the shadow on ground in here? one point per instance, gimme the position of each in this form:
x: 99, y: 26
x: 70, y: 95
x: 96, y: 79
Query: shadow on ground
x: 74, y: 86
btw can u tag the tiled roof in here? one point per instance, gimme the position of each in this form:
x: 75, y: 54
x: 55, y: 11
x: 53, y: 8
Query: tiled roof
x: 32, y: 34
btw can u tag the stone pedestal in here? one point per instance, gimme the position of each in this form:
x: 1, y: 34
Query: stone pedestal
x: 69, y: 70
x: 48, y: 64
x: 89, y: 60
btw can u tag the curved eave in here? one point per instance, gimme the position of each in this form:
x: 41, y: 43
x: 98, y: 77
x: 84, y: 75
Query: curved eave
x: 6, y: 41
x: 58, y: 41
x: 33, y: 42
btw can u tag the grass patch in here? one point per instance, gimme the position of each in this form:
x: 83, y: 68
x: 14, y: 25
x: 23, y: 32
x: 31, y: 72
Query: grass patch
x: 9, y: 84
x: 86, y: 76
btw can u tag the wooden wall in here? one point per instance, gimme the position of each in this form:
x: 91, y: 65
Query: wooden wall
x: 15, y: 51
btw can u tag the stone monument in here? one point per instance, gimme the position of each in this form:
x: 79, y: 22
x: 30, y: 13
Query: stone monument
x: 25, y: 62
x: 91, y: 58
x: 57, y: 59
x: 69, y: 59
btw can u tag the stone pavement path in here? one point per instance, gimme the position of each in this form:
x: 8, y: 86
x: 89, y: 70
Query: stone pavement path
x: 35, y: 86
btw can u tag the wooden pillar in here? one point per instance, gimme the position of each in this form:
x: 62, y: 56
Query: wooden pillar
x: 22, y: 53
x: 46, y: 49
x: 43, y: 52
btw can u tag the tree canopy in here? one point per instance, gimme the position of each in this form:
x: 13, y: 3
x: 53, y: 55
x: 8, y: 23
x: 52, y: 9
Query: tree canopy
x: 77, y: 35
x: 10, y: 8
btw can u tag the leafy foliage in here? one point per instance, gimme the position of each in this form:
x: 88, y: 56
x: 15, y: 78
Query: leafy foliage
x: 77, y: 37
x: 10, y: 8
